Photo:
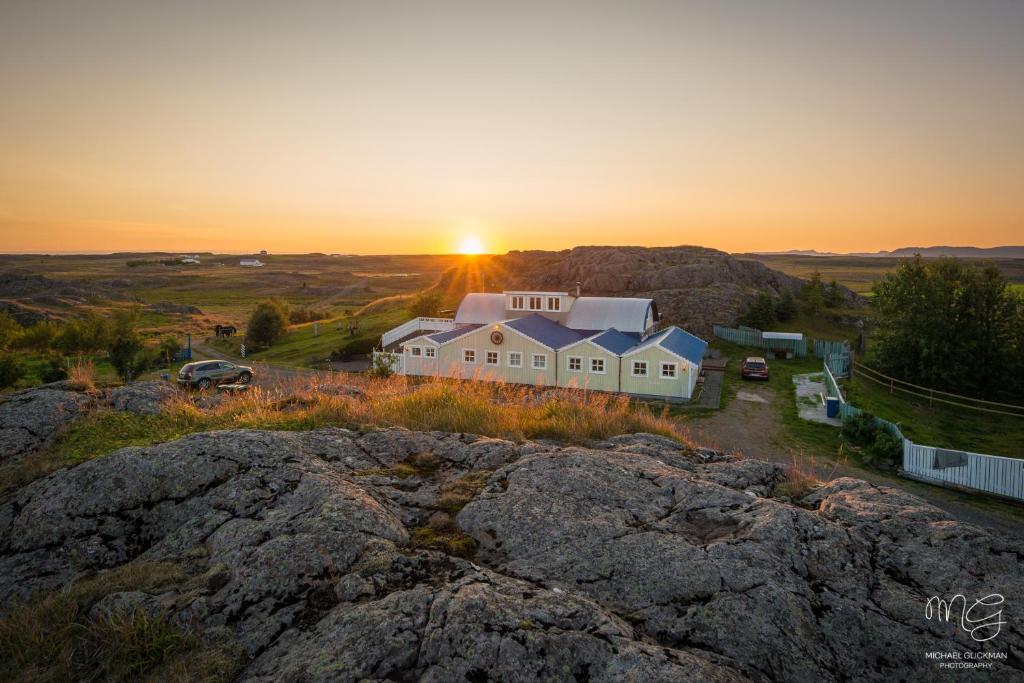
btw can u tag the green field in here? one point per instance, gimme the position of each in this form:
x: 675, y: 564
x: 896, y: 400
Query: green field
x: 939, y: 425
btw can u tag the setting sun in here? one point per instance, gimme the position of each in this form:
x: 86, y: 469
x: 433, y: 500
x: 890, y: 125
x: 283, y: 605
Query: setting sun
x: 470, y: 246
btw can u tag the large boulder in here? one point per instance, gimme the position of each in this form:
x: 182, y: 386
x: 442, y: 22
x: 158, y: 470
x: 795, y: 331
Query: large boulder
x: 633, y: 560
x: 142, y: 398
x: 33, y: 418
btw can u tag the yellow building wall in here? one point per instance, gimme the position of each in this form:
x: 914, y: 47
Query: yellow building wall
x: 653, y: 384
x: 585, y: 379
x: 450, y: 363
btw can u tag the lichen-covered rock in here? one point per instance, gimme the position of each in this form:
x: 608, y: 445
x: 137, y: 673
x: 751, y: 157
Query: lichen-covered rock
x: 142, y: 398
x: 636, y: 560
x: 31, y: 419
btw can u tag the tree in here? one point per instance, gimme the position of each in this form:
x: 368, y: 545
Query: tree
x: 169, y: 346
x: 943, y: 324
x: 834, y: 295
x: 125, y: 347
x: 11, y: 370
x: 813, y: 293
x: 760, y: 312
x: 10, y: 330
x: 87, y: 334
x: 786, y: 309
x: 267, y: 323
x: 426, y: 304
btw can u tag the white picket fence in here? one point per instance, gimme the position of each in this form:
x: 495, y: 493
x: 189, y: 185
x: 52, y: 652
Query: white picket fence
x: 993, y: 474
x: 416, y: 325
x: 990, y: 473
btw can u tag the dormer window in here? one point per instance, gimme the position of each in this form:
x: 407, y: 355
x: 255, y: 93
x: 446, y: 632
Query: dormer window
x: 517, y: 303
x: 554, y: 303
x: 535, y: 303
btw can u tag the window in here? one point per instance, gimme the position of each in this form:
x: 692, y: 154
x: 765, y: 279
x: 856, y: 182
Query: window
x: 554, y: 303
x: 468, y: 356
x: 429, y: 351
x: 416, y: 350
x: 575, y: 363
x: 515, y: 359
x: 597, y: 366
x: 491, y: 358
x: 639, y: 368
x: 668, y: 370
x: 540, y: 361
x: 535, y: 302
x: 517, y: 303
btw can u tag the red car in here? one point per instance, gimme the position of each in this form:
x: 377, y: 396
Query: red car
x: 754, y: 367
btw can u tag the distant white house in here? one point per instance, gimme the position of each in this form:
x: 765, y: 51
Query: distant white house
x: 251, y: 262
x: 189, y: 259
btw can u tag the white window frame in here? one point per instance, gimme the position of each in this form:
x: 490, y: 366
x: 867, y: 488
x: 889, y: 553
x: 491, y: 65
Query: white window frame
x: 416, y: 351
x: 554, y: 303
x: 517, y: 363
x: 568, y: 364
x: 465, y: 352
x: 538, y: 299
x: 429, y: 352
x: 633, y: 371
x: 668, y: 364
x: 533, y: 361
x: 487, y: 358
x: 517, y: 302
x: 604, y: 366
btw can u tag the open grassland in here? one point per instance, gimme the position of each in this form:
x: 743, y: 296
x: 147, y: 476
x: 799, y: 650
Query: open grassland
x: 860, y: 272
x: 939, y: 425
x: 362, y: 402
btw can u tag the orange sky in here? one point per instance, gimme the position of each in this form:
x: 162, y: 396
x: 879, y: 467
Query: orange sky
x: 403, y: 127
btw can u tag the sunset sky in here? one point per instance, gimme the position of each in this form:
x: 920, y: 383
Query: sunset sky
x: 386, y: 127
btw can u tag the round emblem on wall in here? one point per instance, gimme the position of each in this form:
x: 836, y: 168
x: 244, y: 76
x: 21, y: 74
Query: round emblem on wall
x: 497, y: 337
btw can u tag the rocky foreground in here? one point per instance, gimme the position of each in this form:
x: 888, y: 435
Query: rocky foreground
x: 634, y: 560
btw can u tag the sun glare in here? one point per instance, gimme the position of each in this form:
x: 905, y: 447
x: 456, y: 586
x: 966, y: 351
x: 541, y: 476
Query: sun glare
x: 470, y: 246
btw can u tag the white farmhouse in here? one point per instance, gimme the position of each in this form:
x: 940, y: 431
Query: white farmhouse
x: 251, y: 263
x: 552, y: 339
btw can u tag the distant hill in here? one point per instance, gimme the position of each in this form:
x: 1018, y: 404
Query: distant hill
x: 694, y: 287
x: 903, y: 252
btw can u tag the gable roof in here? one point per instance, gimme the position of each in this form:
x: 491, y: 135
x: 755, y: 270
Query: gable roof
x: 678, y: 342
x: 480, y: 309
x: 605, y: 312
x: 448, y: 335
x: 544, y: 331
x: 614, y: 341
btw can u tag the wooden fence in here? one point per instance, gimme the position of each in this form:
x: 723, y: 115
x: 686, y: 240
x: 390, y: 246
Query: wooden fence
x: 748, y: 336
x: 934, y: 396
x: 993, y: 474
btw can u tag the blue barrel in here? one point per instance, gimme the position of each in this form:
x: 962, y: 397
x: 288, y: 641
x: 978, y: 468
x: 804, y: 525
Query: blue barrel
x: 832, y: 406
x: 165, y: 376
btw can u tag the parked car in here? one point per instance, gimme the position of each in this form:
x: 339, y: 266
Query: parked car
x: 754, y: 367
x: 207, y: 373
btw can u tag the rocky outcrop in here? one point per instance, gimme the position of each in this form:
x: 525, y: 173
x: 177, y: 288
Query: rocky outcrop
x: 632, y: 560
x: 694, y: 287
x: 31, y: 419
x: 142, y: 398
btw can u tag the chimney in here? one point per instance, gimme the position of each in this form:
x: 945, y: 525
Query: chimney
x: 578, y: 285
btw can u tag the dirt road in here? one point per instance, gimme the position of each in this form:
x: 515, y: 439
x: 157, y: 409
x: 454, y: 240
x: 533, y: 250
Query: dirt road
x: 751, y: 425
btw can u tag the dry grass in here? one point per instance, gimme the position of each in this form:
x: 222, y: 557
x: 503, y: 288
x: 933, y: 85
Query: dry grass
x: 52, y: 638
x: 800, y: 478
x: 82, y: 375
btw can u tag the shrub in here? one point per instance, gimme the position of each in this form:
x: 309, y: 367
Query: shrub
x: 888, y: 448
x: 88, y: 334
x: 10, y: 330
x: 267, y: 323
x: 304, y: 314
x: 53, y: 369
x: 127, y: 353
x: 38, y: 337
x: 11, y: 370
x: 860, y: 429
x: 426, y: 304
x: 169, y: 346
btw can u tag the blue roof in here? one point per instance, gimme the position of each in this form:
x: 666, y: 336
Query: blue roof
x: 448, y: 335
x: 614, y: 341
x: 679, y: 342
x: 545, y: 331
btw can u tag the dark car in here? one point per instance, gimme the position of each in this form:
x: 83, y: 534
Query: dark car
x: 754, y: 367
x: 207, y: 373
